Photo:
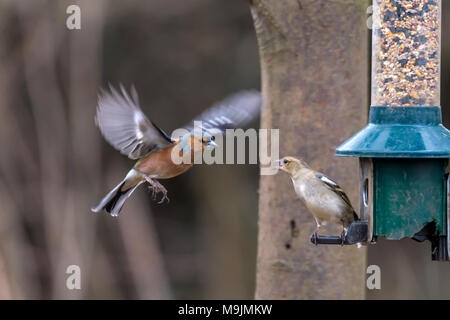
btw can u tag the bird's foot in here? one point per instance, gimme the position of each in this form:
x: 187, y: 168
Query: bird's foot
x: 157, y: 187
x: 164, y: 197
x: 152, y: 189
x: 342, y: 238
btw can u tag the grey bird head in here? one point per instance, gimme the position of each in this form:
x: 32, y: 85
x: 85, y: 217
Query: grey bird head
x: 197, y: 140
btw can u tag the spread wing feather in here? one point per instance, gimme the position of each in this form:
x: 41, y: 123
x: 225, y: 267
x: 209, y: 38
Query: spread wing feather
x: 235, y: 111
x: 125, y: 126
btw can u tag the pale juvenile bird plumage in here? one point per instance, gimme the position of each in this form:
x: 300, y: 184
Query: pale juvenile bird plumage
x: 323, y: 198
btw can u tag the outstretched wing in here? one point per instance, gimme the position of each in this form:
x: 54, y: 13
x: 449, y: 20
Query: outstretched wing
x: 125, y: 126
x: 235, y: 111
x: 335, y: 188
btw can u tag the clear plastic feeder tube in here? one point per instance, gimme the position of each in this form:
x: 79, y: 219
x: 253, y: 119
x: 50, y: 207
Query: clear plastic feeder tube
x: 406, y: 52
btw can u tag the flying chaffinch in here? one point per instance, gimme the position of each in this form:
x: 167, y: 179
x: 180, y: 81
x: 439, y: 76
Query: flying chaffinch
x: 124, y: 125
x: 323, y: 197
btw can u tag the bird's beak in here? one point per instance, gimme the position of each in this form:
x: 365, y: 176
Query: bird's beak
x: 212, y: 144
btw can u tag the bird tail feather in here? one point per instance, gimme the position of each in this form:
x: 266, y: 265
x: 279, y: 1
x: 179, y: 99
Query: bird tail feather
x: 115, y: 199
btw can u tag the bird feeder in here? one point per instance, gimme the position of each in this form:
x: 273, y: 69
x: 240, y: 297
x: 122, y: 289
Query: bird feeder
x: 404, y: 149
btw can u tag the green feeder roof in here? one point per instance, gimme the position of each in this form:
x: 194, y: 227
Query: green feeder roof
x: 400, y: 132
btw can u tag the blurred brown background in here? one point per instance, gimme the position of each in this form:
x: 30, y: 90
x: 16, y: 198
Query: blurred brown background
x: 182, y: 56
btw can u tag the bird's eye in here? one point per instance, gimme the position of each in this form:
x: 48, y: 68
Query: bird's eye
x: 285, y: 161
x: 213, y: 138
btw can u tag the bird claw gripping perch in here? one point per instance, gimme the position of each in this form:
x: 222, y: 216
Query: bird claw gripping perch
x: 356, y: 233
x: 343, y: 235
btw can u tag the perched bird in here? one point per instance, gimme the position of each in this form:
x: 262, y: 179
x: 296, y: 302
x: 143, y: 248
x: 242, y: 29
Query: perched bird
x: 324, y: 198
x: 124, y: 125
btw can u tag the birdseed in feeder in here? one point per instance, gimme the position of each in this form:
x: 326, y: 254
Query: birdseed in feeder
x: 406, y: 52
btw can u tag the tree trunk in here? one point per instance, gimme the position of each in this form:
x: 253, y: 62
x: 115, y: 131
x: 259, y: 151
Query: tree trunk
x: 314, y: 83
